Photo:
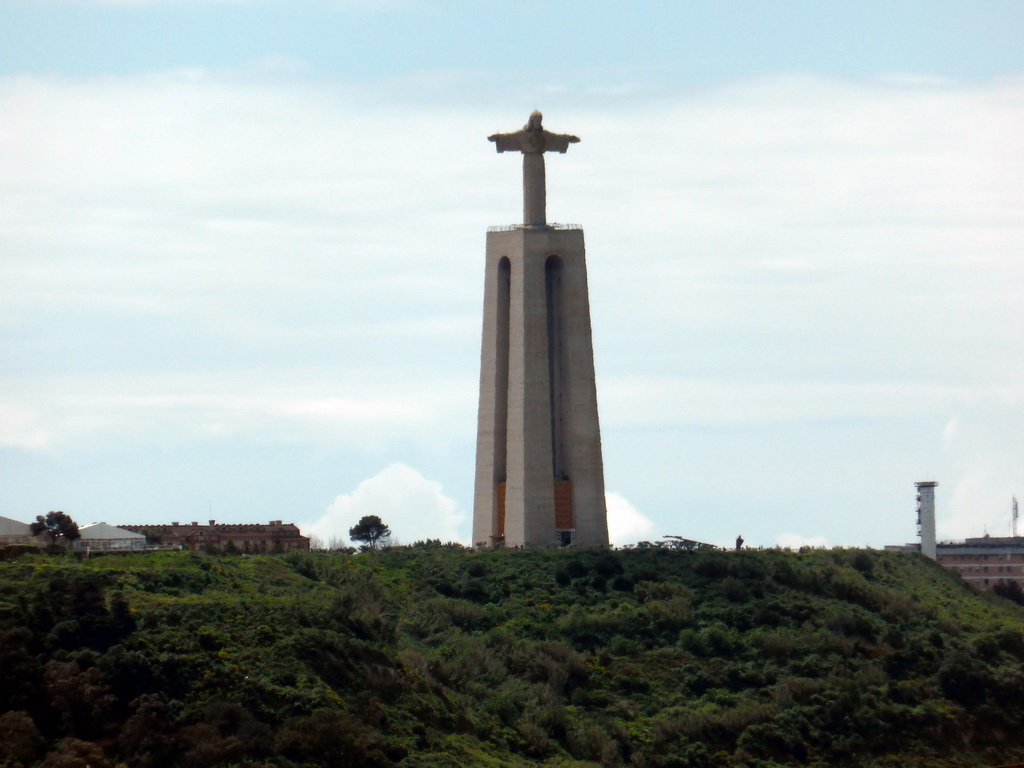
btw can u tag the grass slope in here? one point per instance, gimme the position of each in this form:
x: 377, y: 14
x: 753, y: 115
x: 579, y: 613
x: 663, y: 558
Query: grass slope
x: 426, y: 656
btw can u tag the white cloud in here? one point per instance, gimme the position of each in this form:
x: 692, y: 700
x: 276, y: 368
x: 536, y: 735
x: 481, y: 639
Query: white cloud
x: 626, y: 524
x: 414, y: 508
x: 796, y: 540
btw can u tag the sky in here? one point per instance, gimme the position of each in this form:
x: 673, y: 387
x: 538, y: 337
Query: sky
x: 242, y: 250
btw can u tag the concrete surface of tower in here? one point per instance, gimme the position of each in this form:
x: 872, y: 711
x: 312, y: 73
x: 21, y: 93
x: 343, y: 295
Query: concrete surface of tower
x: 539, y: 468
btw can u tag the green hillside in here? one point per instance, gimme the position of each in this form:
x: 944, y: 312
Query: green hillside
x: 428, y: 656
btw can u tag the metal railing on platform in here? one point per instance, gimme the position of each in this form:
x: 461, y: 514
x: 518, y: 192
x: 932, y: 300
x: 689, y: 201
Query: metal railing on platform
x: 513, y: 227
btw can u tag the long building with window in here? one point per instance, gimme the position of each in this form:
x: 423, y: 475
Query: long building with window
x: 274, y: 536
x: 982, y: 562
x: 985, y: 562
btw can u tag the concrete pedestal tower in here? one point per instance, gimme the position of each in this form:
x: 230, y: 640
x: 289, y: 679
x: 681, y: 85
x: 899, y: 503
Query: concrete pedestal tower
x: 539, y: 472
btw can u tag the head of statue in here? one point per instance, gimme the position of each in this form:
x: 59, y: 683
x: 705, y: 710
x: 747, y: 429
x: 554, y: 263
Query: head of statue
x: 533, y: 124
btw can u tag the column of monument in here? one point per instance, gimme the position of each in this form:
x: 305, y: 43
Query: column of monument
x: 539, y: 470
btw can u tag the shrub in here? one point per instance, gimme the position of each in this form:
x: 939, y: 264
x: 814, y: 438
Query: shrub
x: 75, y: 753
x: 864, y: 562
x: 20, y: 741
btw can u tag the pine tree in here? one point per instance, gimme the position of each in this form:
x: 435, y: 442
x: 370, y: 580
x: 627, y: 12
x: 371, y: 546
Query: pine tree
x: 371, y: 530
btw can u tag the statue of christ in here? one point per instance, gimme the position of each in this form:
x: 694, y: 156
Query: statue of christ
x: 533, y: 141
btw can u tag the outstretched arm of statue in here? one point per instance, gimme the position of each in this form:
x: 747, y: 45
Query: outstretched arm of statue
x: 558, y: 142
x: 508, y: 142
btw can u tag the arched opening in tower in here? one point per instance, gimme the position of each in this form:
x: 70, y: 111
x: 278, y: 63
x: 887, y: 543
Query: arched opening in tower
x: 558, y: 399
x: 501, y: 346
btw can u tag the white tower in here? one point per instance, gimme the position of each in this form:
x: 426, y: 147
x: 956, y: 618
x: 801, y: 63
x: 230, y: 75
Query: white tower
x: 926, y: 517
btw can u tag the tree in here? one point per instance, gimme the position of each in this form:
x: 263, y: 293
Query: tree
x: 56, y: 525
x: 371, y: 530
